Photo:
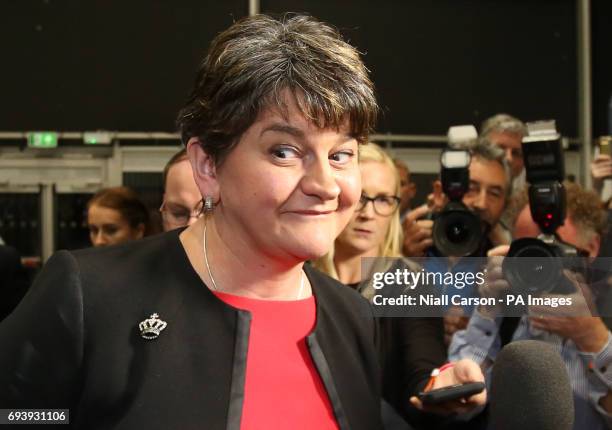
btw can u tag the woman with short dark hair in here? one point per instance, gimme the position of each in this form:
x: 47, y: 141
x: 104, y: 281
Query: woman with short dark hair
x: 216, y: 325
x: 220, y: 325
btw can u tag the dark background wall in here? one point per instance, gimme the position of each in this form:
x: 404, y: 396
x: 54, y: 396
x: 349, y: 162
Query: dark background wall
x: 602, y: 66
x: 444, y: 62
x: 73, y: 65
x: 123, y: 65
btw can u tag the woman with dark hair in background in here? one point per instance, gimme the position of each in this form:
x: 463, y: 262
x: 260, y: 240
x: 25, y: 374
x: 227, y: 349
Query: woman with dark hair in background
x: 216, y: 325
x: 116, y: 215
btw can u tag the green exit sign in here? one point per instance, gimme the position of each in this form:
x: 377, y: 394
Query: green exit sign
x: 42, y: 139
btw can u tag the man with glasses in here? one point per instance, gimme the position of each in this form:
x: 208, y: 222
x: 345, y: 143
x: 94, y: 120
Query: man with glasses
x: 182, y: 204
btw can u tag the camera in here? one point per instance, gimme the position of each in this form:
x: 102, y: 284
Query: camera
x: 536, y: 265
x: 457, y: 231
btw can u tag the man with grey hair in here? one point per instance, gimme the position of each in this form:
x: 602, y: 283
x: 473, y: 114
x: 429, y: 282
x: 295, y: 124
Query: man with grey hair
x: 507, y: 132
x: 487, y: 196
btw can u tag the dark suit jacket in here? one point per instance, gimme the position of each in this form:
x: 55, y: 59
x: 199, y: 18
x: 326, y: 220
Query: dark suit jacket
x: 74, y: 343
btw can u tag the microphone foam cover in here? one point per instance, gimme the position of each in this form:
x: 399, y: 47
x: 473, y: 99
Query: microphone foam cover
x: 530, y: 389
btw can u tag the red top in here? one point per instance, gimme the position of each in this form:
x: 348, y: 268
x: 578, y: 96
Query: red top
x: 283, y: 389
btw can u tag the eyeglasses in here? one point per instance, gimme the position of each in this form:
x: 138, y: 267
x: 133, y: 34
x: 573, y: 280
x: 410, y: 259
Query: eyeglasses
x: 383, y: 205
x: 179, y: 215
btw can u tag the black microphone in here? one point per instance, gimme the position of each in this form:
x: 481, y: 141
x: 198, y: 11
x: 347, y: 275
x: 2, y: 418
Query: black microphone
x: 530, y: 389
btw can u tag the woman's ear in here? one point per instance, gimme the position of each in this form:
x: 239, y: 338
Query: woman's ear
x: 138, y: 232
x: 204, y: 169
x: 593, y: 246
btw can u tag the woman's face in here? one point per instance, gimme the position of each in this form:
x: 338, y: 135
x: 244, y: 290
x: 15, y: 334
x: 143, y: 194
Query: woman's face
x: 108, y: 227
x: 288, y: 188
x: 367, y: 229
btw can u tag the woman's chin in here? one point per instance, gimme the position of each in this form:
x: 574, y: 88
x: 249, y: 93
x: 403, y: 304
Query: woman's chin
x: 312, y: 251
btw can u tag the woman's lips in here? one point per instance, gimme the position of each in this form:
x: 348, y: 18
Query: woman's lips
x: 312, y: 212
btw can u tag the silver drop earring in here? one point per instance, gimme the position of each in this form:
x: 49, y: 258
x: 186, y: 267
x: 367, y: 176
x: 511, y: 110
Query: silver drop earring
x: 208, y: 204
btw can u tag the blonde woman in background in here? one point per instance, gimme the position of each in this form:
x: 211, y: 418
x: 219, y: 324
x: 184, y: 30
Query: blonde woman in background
x: 375, y: 229
x: 410, y: 347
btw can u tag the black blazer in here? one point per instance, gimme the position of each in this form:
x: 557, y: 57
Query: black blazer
x: 74, y: 343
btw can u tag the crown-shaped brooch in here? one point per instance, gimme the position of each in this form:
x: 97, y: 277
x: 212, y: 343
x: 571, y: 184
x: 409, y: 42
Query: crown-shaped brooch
x: 151, y: 327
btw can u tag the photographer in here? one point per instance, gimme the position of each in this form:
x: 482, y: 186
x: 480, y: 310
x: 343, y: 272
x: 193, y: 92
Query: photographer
x: 583, y: 341
x: 486, y: 196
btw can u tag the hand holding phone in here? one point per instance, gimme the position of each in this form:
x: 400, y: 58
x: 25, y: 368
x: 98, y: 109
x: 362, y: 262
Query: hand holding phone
x: 453, y: 392
x: 455, y: 389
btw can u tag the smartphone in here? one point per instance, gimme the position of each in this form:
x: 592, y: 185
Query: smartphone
x: 453, y: 392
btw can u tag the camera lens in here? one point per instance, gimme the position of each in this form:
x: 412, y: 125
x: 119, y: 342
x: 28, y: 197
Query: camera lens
x: 532, y: 266
x: 457, y: 232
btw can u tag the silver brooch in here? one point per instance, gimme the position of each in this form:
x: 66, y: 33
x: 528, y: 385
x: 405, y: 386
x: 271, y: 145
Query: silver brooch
x: 151, y: 327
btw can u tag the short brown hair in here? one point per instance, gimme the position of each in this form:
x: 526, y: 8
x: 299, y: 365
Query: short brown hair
x: 586, y: 210
x: 251, y: 64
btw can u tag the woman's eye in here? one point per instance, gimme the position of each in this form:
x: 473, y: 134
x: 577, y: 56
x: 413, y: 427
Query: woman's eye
x: 342, y: 157
x: 111, y: 230
x: 384, y: 200
x: 285, y: 152
x: 180, y: 214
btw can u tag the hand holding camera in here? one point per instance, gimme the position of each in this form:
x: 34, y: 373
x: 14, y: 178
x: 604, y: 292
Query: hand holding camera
x: 418, y: 224
x: 417, y: 232
x: 601, y: 166
x: 495, y: 284
x: 573, y: 322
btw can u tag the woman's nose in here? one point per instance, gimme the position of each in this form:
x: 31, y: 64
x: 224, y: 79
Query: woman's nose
x: 319, y: 180
x: 481, y: 200
x: 366, y: 211
x: 99, y: 239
